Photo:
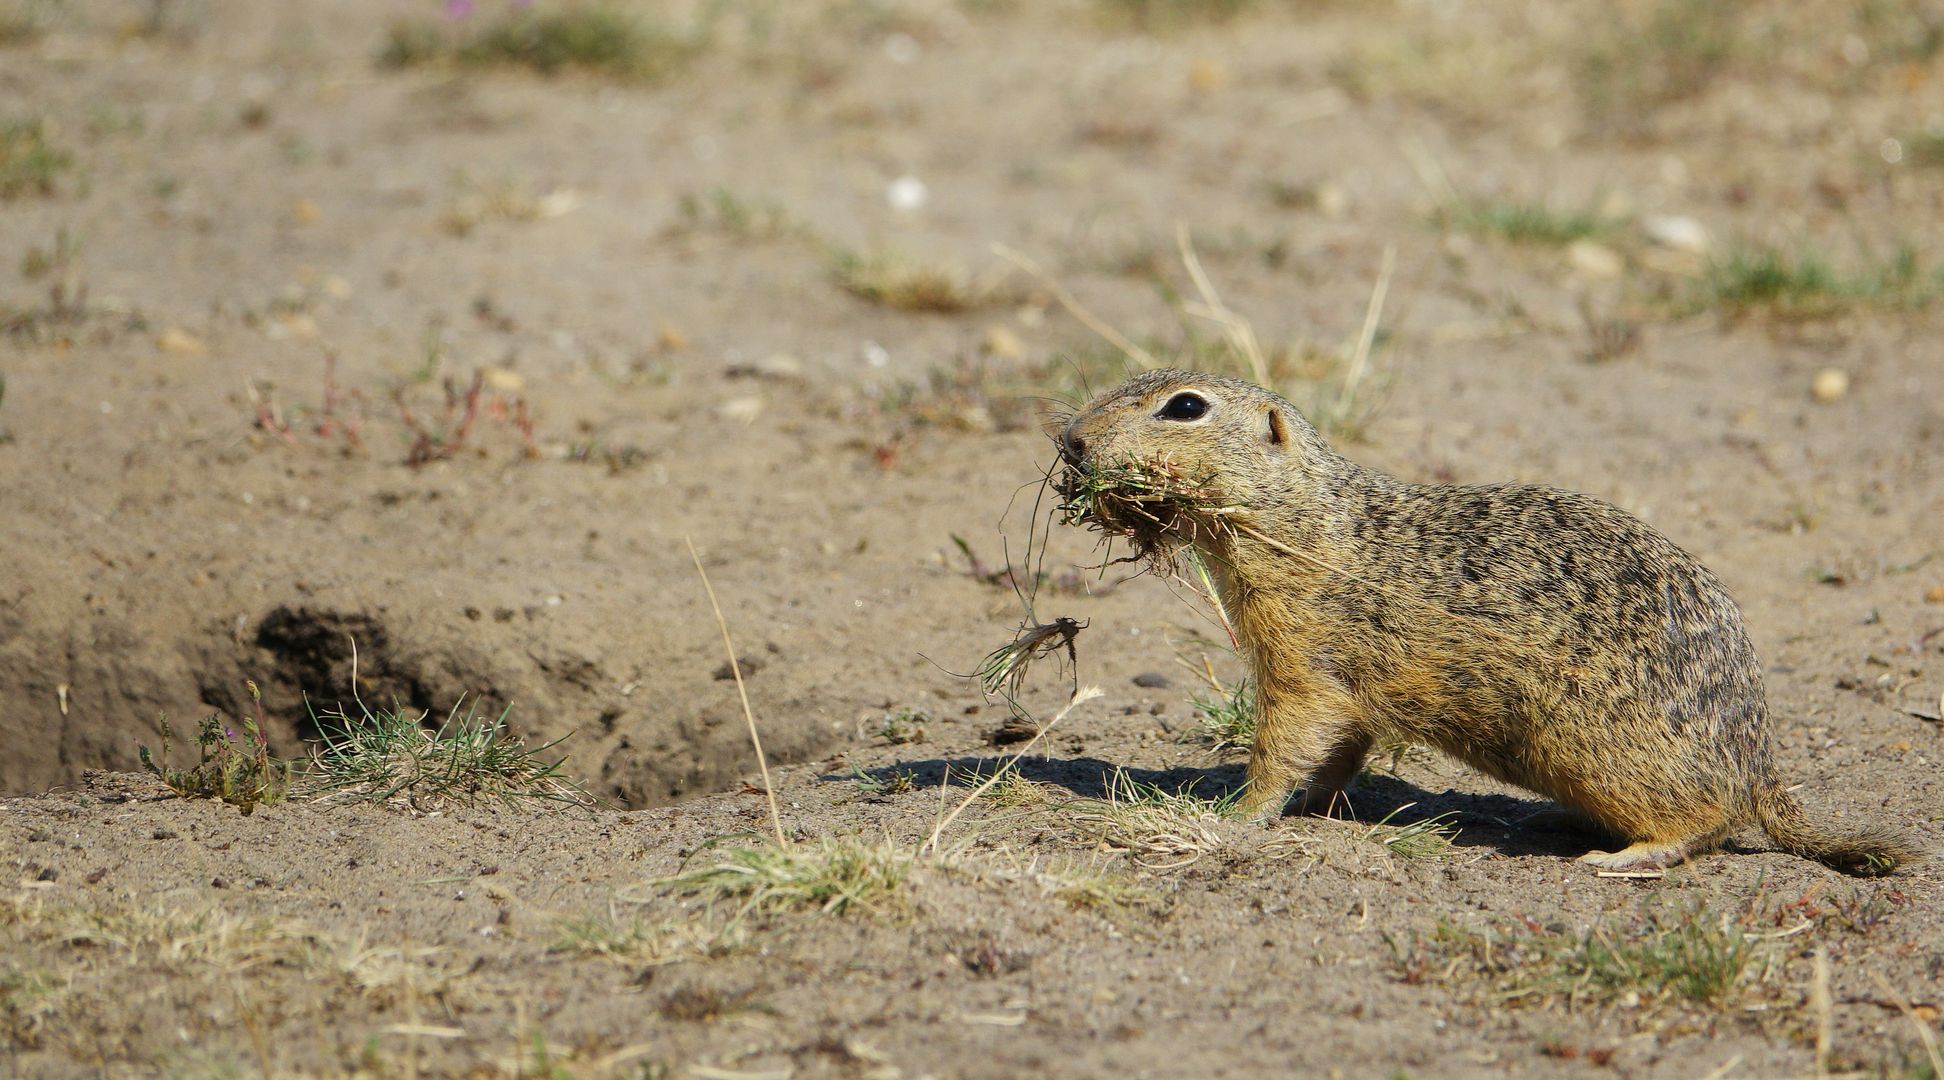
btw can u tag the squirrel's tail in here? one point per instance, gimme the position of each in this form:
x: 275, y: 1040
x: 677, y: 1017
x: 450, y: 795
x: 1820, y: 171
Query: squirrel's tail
x: 1868, y: 850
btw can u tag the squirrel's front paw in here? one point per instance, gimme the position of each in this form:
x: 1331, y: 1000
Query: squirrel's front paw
x: 1262, y: 805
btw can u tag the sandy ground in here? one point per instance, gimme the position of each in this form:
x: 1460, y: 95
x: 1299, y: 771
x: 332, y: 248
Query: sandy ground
x: 257, y: 223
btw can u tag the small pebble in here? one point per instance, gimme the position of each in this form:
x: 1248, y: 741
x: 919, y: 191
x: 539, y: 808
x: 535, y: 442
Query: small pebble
x: 177, y: 340
x: 502, y: 380
x: 1207, y: 76
x: 1934, y: 594
x: 902, y: 48
x: 1595, y: 260
x: 750, y: 665
x: 1152, y: 680
x: 742, y: 410
x: 1332, y: 200
x: 1003, y: 343
x: 1830, y: 384
x: 906, y: 193
x: 778, y: 366
x: 1676, y: 232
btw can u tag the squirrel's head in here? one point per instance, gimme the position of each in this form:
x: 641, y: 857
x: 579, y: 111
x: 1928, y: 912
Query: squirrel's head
x: 1174, y: 446
x: 1222, y: 429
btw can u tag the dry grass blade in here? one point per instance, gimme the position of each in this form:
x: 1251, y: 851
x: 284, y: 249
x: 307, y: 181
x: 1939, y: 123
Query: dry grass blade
x: 1367, y: 337
x: 826, y: 878
x: 1076, y: 309
x: 1235, y: 329
x: 742, y: 692
x: 1003, y: 672
x: 1821, y: 1004
x: 1923, y: 1030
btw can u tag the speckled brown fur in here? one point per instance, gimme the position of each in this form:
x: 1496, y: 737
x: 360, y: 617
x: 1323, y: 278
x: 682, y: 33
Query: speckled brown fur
x: 1544, y: 637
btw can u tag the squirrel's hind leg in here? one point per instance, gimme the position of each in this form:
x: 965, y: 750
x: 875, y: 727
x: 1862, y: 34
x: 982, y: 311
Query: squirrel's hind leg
x: 1323, y: 791
x: 1653, y: 854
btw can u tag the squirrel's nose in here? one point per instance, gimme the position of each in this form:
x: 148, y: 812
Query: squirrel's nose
x: 1072, y: 447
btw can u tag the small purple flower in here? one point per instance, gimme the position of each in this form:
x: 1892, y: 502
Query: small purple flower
x: 458, y: 9
x: 229, y: 733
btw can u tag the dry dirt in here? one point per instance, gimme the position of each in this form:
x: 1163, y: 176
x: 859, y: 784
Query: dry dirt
x: 257, y: 220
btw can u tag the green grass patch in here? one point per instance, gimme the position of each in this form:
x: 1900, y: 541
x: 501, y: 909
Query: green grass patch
x: 22, y: 21
x: 29, y: 164
x: 1225, y: 714
x: 892, y: 782
x: 389, y: 755
x: 240, y: 772
x: 1695, y: 960
x: 894, y: 281
x: 830, y: 877
x: 1807, y: 284
x: 906, y: 725
x: 738, y: 216
x: 633, y: 940
x: 1689, y: 956
x: 600, y: 39
x: 1526, y: 222
x: 1010, y: 791
x: 1426, y: 838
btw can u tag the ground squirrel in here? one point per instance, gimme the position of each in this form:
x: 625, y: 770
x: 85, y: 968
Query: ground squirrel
x: 1546, y: 638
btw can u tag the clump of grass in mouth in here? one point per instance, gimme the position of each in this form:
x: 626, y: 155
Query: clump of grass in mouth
x: 1151, y: 504
x: 388, y: 754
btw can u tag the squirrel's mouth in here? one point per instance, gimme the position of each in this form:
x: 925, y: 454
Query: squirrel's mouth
x: 1152, y: 503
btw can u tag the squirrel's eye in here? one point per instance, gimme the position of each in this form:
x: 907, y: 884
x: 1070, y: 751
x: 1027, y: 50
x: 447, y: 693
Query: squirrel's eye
x: 1184, y: 407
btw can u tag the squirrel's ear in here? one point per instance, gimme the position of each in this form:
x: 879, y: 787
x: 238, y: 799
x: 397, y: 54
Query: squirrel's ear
x: 1275, y: 431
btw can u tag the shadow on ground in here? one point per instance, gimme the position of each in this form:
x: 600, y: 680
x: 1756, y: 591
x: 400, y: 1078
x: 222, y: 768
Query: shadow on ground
x: 1482, y: 820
